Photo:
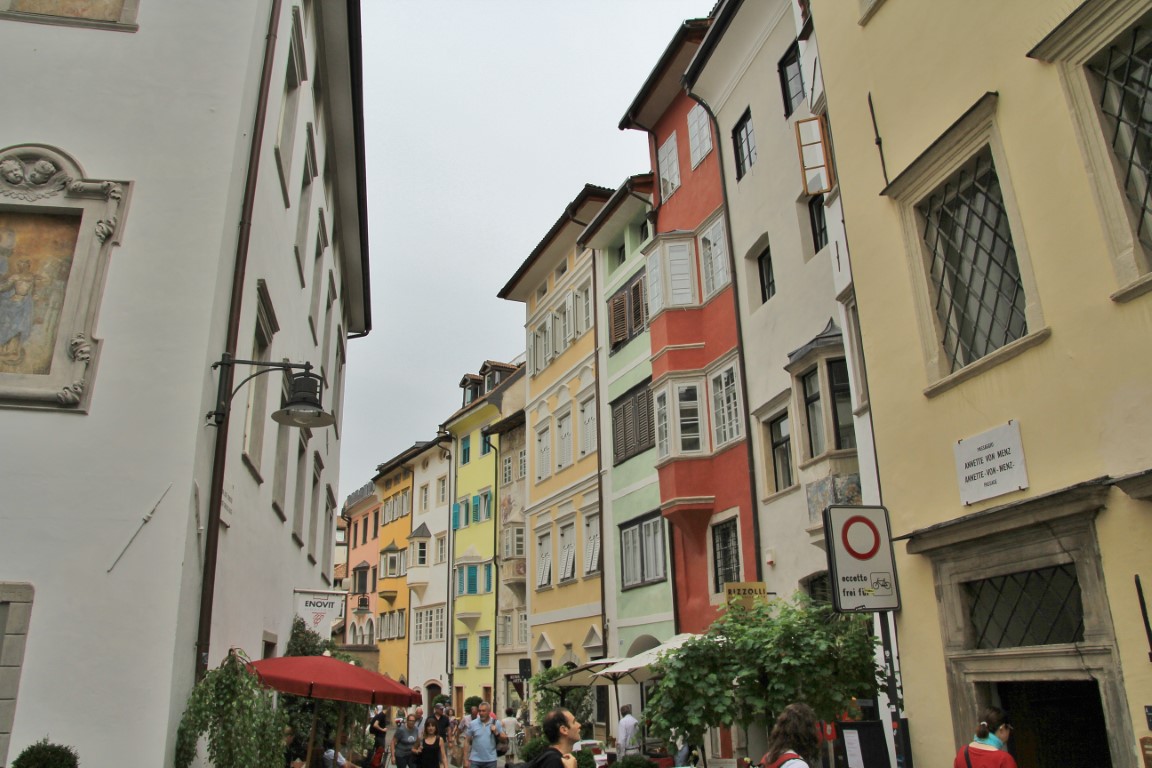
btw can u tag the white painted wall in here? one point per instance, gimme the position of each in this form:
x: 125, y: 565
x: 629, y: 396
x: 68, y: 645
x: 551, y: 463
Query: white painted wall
x: 428, y: 661
x: 169, y: 108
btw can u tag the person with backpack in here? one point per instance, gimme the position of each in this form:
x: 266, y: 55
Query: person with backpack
x: 794, y: 741
x: 562, y: 731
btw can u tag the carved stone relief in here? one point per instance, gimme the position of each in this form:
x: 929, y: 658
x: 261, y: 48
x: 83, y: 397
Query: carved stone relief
x: 57, y: 230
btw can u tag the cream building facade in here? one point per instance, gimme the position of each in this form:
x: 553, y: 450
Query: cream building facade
x: 997, y: 209
x: 563, y: 521
x: 181, y: 191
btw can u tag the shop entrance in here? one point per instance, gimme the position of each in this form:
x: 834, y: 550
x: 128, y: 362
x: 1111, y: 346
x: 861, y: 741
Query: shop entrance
x: 1056, y: 723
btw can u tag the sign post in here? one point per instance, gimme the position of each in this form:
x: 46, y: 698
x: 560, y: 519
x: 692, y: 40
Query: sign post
x: 861, y: 567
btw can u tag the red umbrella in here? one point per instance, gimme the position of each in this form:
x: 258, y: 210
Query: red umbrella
x: 323, y: 677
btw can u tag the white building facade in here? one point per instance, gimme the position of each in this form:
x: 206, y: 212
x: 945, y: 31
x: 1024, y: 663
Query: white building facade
x: 146, y: 231
x: 428, y: 570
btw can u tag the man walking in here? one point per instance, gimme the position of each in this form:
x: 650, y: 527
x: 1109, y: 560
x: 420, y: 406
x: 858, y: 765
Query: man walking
x: 403, y: 741
x: 627, y: 733
x: 562, y: 731
x: 483, y: 733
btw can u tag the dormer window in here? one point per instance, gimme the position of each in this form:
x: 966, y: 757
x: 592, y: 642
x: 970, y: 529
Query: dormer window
x: 491, y: 380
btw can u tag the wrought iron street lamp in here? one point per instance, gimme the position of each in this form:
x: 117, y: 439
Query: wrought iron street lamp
x: 303, y: 410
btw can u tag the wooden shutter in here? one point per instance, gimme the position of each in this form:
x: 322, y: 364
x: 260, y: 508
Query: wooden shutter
x: 645, y: 431
x: 638, y: 310
x: 618, y: 433
x: 618, y: 316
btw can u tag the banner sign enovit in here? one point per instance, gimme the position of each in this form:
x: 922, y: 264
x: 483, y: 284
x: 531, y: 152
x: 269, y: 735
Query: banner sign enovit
x: 861, y: 568
x: 319, y: 608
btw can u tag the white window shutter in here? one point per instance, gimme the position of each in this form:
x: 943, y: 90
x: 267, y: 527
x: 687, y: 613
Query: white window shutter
x: 655, y: 284
x: 679, y: 274
x: 570, y: 314
x: 549, y: 347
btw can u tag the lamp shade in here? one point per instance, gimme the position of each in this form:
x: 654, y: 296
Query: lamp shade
x: 303, y: 407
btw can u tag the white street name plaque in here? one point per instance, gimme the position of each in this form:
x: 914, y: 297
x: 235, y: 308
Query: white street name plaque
x: 991, y: 464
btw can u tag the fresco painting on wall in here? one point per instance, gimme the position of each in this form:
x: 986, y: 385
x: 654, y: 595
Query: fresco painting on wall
x: 35, y: 263
x: 97, y: 10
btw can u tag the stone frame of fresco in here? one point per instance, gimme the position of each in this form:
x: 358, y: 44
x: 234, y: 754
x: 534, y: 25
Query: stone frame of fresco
x: 117, y: 15
x: 57, y: 230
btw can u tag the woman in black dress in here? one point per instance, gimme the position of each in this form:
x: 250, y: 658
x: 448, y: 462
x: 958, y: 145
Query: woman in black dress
x: 430, y: 751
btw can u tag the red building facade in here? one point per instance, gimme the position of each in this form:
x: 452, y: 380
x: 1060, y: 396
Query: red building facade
x: 706, y: 485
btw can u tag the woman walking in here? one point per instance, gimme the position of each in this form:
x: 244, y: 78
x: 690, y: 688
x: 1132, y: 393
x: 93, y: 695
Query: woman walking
x: 430, y: 751
x: 794, y: 741
x: 988, y: 747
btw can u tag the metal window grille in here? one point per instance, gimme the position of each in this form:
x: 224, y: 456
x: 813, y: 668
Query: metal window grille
x: 979, y: 298
x: 725, y: 553
x: 1125, y: 82
x: 1038, y: 607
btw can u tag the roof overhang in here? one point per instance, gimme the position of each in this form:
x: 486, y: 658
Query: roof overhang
x: 632, y: 198
x: 343, y: 85
x: 664, y: 81
x: 556, y: 244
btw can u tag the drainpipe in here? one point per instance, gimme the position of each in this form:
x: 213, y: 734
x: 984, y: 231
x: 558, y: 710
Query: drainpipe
x: 494, y: 648
x: 759, y: 572
x: 449, y: 659
x: 599, y: 464
x: 236, y: 304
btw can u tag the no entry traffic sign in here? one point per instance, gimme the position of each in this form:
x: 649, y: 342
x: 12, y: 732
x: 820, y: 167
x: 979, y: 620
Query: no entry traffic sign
x: 861, y: 568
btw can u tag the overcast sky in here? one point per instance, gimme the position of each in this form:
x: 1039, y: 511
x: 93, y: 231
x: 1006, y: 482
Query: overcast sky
x: 484, y: 118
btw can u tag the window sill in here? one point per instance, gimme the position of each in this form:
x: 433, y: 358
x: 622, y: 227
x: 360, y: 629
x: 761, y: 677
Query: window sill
x: 1137, y: 287
x: 296, y: 538
x: 781, y: 494
x: 643, y: 584
x: 842, y: 453
x: 545, y: 588
x: 988, y: 362
x: 252, y: 468
x: 279, y: 510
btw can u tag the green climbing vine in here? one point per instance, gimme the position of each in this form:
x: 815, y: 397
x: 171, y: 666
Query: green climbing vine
x: 236, y: 714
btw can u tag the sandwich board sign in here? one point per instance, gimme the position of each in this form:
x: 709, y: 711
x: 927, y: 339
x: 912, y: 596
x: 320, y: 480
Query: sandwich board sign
x: 861, y: 568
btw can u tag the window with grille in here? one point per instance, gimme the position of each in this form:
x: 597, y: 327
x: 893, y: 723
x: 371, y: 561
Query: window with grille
x: 1037, y: 607
x: 725, y: 554
x: 819, y: 588
x: 744, y: 144
x: 1123, y: 77
x: 978, y: 294
x: 791, y: 80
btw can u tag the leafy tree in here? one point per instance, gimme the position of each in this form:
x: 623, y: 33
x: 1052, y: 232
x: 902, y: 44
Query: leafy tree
x: 753, y: 662
x: 547, y: 697
x: 237, y: 715
x: 532, y: 749
x: 45, y: 754
x: 471, y: 701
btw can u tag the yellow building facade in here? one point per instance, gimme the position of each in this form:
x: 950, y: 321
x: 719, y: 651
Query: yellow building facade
x: 473, y: 579
x: 394, y: 487
x: 562, y: 515
x: 995, y: 185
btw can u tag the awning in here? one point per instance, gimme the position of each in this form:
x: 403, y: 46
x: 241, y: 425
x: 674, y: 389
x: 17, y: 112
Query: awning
x: 584, y: 675
x: 638, y: 668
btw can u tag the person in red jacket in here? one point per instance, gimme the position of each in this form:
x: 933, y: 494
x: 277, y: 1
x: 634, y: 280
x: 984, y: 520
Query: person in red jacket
x: 988, y: 748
